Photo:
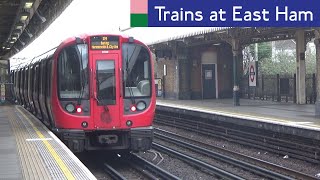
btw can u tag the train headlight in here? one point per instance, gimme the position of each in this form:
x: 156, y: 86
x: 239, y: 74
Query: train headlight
x: 70, y: 108
x: 141, y: 105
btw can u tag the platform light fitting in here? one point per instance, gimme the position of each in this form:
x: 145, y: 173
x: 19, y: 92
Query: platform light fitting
x: 43, y: 19
x: 220, y: 32
x: 19, y: 25
x: 28, y: 5
x: 11, y: 42
x: 24, y: 16
x: 14, y: 38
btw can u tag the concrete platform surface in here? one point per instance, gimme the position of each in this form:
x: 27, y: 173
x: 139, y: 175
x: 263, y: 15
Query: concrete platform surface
x: 289, y: 114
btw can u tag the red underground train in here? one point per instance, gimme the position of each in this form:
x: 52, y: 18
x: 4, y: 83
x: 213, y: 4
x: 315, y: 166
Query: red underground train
x: 96, y: 92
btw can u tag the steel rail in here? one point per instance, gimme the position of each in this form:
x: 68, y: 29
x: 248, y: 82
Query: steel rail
x: 113, y: 173
x: 198, y: 163
x: 286, y: 147
x: 251, y: 167
x: 144, y: 164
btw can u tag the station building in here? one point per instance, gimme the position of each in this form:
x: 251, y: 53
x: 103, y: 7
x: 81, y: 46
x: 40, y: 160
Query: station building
x: 209, y: 64
x: 197, y: 72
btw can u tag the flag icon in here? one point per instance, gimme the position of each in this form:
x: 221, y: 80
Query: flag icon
x: 139, y: 13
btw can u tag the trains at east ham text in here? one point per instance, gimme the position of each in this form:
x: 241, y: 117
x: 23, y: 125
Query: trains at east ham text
x: 95, y: 92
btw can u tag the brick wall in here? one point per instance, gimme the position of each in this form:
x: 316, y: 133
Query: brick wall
x: 168, y: 80
x: 195, y: 80
x: 225, y: 70
x: 184, y: 79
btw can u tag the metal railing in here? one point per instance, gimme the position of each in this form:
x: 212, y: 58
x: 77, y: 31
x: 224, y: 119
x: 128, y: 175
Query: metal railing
x: 281, y: 88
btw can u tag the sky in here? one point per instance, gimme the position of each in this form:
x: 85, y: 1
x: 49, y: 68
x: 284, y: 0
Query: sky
x: 95, y: 16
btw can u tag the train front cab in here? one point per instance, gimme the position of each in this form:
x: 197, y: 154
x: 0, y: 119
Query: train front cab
x: 112, y: 115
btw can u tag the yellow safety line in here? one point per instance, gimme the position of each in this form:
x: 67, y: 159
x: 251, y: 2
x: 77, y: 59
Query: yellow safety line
x: 53, y: 153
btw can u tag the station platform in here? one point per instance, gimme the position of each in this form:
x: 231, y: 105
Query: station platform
x: 276, y: 116
x: 28, y: 150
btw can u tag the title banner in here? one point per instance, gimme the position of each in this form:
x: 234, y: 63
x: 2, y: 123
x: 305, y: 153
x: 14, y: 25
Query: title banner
x: 225, y: 13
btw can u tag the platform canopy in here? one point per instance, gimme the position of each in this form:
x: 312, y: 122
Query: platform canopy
x: 22, y: 21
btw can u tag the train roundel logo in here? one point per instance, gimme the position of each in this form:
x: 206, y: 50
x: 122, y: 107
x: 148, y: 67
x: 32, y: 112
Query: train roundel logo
x: 252, y: 73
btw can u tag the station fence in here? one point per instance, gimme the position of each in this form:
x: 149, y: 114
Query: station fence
x: 279, y: 87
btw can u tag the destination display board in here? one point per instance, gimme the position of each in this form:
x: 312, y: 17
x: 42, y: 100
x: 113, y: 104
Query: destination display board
x: 104, y: 42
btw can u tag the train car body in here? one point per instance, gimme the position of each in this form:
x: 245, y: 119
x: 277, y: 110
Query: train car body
x: 96, y: 92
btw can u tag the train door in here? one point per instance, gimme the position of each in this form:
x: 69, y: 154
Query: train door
x: 16, y: 82
x: 42, y: 92
x: 106, y: 105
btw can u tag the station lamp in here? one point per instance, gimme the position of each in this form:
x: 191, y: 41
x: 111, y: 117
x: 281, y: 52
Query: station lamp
x: 28, y: 4
x: 19, y: 25
x: 24, y: 16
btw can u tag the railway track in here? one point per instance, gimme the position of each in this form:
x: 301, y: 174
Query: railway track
x: 135, y: 167
x: 299, y: 148
x: 256, y: 166
x: 219, y: 172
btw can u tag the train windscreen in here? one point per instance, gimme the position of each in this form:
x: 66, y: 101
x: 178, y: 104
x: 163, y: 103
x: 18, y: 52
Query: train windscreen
x: 73, y: 72
x: 137, y: 71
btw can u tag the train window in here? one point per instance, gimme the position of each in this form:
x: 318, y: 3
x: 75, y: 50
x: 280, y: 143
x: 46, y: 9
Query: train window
x: 106, y: 82
x: 73, y: 72
x: 137, y: 70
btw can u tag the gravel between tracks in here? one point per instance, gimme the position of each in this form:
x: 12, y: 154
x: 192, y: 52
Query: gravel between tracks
x: 176, y: 167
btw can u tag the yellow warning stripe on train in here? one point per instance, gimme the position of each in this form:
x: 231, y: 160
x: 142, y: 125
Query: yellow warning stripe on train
x: 53, y: 153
